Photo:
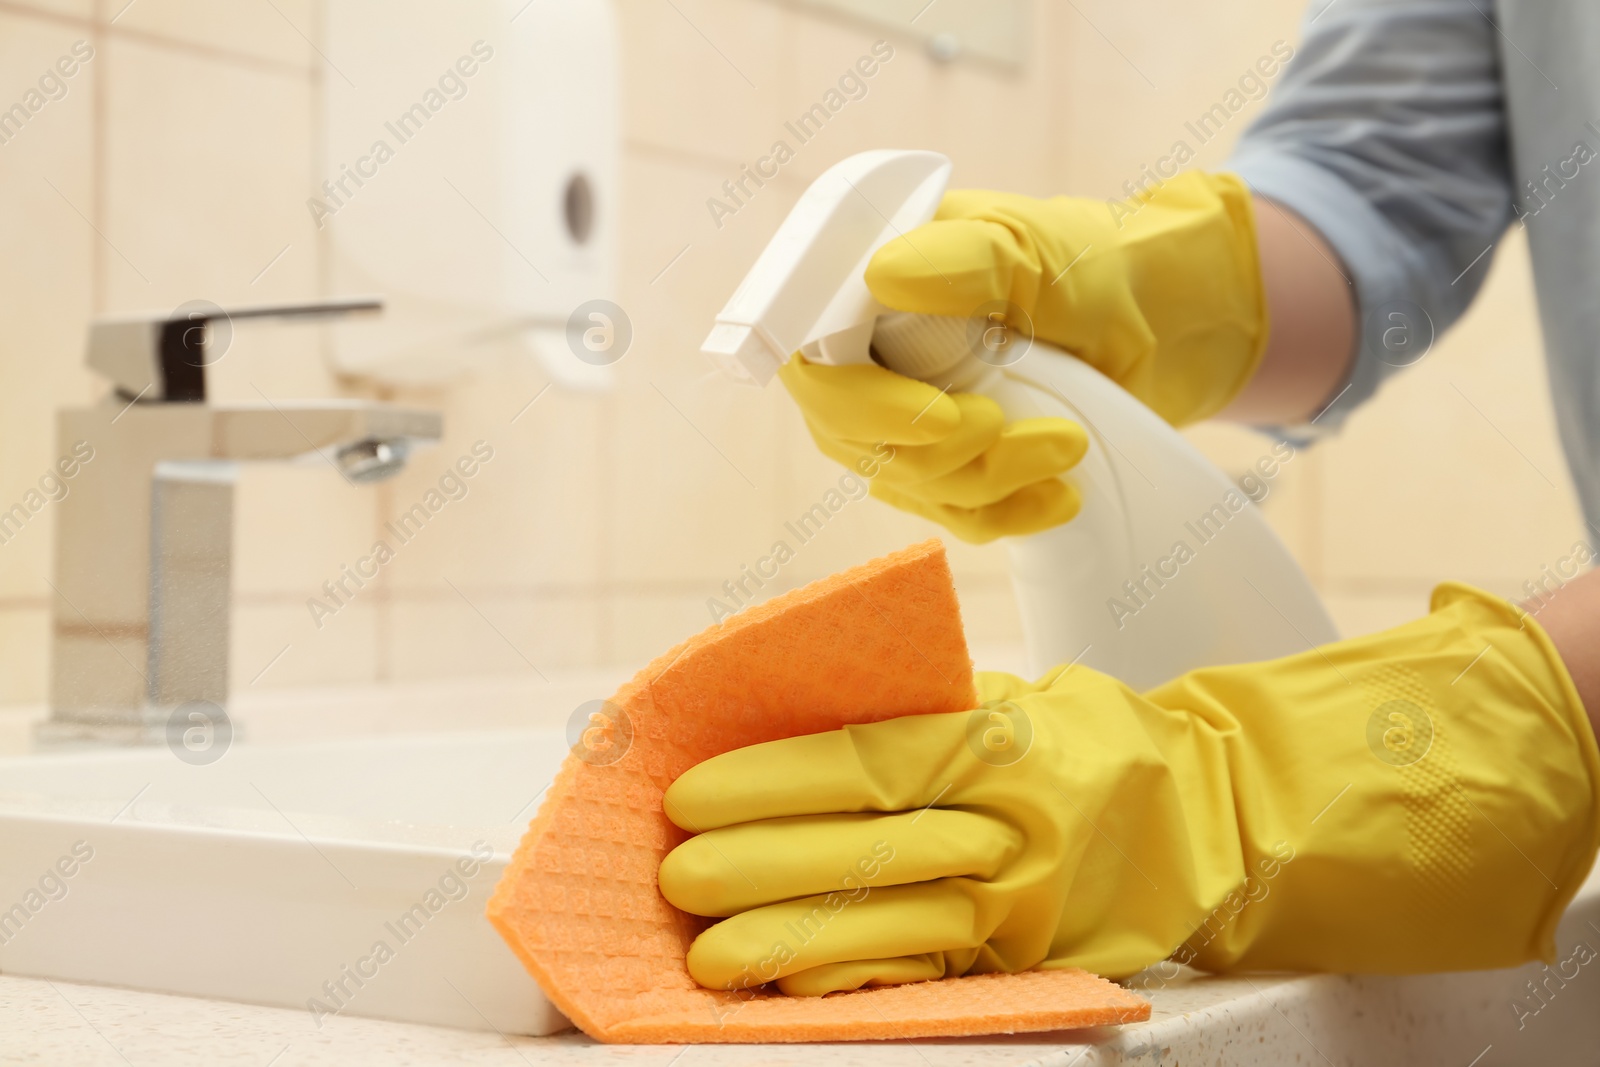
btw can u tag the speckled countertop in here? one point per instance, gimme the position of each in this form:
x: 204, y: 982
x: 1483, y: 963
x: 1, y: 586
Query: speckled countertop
x: 51, y: 1022
x: 1461, y: 1020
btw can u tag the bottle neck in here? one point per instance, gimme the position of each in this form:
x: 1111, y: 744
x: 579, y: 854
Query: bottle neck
x: 947, y: 352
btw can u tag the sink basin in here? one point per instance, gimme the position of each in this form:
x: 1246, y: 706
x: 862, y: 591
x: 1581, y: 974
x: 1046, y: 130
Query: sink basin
x: 338, y: 877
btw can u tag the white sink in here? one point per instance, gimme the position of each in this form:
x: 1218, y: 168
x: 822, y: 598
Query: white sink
x: 273, y: 875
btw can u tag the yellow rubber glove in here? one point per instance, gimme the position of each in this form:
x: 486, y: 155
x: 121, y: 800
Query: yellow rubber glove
x: 954, y: 459
x: 1162, y: 294
x: 1420, y: 799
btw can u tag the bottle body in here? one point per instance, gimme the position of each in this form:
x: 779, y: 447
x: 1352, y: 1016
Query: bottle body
x: 1168, y: 566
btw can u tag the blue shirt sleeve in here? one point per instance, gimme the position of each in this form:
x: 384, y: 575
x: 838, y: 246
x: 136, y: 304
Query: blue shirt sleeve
x: 1388, y: 134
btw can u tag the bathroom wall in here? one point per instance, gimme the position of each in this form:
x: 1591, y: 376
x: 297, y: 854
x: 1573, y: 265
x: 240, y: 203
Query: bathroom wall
x: 176, y: 166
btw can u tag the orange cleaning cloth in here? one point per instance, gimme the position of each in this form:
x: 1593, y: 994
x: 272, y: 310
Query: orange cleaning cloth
x: 579, y: 902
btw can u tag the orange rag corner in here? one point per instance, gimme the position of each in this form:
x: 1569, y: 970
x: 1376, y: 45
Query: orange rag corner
x: 579, y: 902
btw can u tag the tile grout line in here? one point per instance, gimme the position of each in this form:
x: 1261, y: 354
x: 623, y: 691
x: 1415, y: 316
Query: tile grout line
x: 98, y: 101
x: 605, y: 636
x: 97, y: 24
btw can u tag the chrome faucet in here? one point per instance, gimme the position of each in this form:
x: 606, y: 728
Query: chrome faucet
x: 144, y: 534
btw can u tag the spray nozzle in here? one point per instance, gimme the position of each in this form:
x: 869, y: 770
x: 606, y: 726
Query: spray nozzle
x: 806, y: 291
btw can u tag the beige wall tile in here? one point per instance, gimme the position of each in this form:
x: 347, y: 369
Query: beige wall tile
x: 641, y: 624
x: 1294, y: 506
x: 1003, y: 129
x: 46, y: 180
x: 529, y: 515
x: 692, y: 456
x: 280, y: 31
x: 1285, y: 497
x: 207, y: 165
x: 24, y: 654
x: 1234, y: 449
x: 989, y: 613
x: 645, y: 622
x: 66, y: 9
x: 893, y: 110
x: 489, y: 631
x: 275, y: 644
x: 998, y: 125
x: 295, y: 526
x: 1138, y: 72
x: 1366, y: 613
x: 864, y: 528
x: 1455, y: 470
x: 824, y: 519
x: 678, y: 266
x: 695, y: 480
x: 1007, y: 656
x: 703, y: 76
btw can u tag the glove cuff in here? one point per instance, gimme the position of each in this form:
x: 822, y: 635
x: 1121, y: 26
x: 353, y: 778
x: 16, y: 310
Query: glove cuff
x: 1195, y: 272
x: 1436, y: 784
x: 1536, y: 659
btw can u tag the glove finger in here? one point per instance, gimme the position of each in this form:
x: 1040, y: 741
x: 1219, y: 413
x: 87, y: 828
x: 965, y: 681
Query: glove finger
x: 865, y: 402
x: 766, y: 944
x: 1040, y: 506
x: 854, y: 769
x: 981, y: 427
x: 954, y: 267
x: 749, y: 865
x: 1028, y: 451
x: 868, y: 460
x: 853, y: 974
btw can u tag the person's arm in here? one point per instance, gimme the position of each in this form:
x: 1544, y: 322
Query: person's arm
x: 1571, y: 618
x: 1311, y: 309
x: 1381, y: 179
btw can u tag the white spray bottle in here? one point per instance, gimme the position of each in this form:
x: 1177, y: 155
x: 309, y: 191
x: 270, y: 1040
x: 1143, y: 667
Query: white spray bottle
x: 1168, y: 566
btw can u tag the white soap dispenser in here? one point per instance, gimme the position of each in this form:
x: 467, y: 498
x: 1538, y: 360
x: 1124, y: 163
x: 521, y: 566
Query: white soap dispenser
x: 468, y: 171
x: 1169, y: 566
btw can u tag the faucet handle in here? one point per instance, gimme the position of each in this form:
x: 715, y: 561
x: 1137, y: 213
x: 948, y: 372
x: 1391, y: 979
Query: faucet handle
x: 162, y: 356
